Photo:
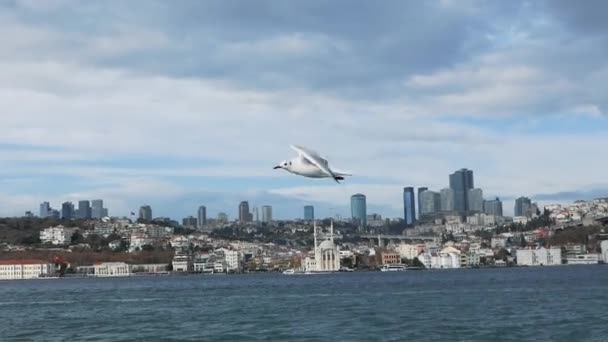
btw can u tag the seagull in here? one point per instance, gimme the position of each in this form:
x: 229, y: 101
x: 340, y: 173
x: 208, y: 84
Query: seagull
x: 309, y: 164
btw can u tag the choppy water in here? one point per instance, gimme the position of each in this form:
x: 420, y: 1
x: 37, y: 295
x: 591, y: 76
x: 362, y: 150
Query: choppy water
x: 568, y: 303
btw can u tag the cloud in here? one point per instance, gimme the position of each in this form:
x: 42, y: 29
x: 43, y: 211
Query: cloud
x: 145, y: 102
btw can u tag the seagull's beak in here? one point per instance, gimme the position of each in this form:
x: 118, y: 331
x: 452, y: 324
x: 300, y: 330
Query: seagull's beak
x: 277, y: 167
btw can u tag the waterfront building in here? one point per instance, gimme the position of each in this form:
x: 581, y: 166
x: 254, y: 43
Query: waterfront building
x: 145, y: 213
x: 410, y: 251
x: 390, y: 258
x: 409, y: 205
x: 231, y: 258
x: 604, y: 247
x: 326, y: 255
x: 309, y: 212
x: 266, y: 214
x: 447, y: 199
x: 539, y: 257
x: 24, y: 269
x: 112, y: 269
x: 419, y: 191
x: 182, y: 262
x: 461, y: 182
x: 202, y: 216
x: 59, y: 235
x: 475, y: 198
x: 358, y: 208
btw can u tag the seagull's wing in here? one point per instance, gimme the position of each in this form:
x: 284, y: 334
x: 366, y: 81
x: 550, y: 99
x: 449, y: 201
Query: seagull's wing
x: 314, y: 159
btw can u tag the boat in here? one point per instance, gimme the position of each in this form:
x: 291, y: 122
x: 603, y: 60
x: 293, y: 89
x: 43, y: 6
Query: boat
x: 289, y: 271
x: 393, y: 268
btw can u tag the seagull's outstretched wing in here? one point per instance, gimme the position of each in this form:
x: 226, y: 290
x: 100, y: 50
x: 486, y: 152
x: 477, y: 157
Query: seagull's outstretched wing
x: 315, y: 159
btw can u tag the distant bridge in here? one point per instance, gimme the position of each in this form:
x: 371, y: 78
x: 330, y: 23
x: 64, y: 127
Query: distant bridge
x: 385, y: 237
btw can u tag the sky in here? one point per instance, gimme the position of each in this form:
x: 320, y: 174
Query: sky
x: 188, y: 103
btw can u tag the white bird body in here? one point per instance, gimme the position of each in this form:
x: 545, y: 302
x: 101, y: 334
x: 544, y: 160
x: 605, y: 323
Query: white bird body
x: 309, y: 164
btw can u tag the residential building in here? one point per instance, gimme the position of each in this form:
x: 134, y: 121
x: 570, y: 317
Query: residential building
x: 409, y: 251
x: 539, y: 257
x: 493, y: 207
x: 358, y: 208
x: 202, y: 216
x: 430, y: 202
x: 45, y: 209
x: 182, y: 262
x: 522, y: 206
x: 604, y: 248
x: 24, y: 269
x: 244, y: 214
x: 409, y: 205
x: 59, y: 235
x: 475, y: 198
x: 84, y: 210
x: 447, y: 199
x: 266, y: 214
x: 112, y: 269
x: 420, y: 190
x: 231, y: 258
x: 461, y: 182
x: 309, y: 212
x: 388, y: 258
x: 145, y: 213
x: 67, y: 211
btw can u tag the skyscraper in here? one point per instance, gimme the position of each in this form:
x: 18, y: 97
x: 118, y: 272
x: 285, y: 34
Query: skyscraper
x: 145, y: 213
x: 447, y: 199
x: 522, y: 206
x: 475, y: 198
x: 67, y: 211
x: 45, y: 209
x: 358, y: 209
x: 84, y: 210
x: 409, y: 205
x: 430, y: 202
x: 97, y: 211
x: 202, y: 216
x: 461, y: 182
x: 493, y: 207
x: 420, y: 190
x: 266, y: 214
x: 244, y: 214
x: 309, y: 213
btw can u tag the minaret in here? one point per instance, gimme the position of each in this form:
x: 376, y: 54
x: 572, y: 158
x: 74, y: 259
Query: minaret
x: 331, y: 231
x: 314, y: 223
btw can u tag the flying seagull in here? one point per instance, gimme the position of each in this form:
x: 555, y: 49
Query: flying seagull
x: 309, y: 164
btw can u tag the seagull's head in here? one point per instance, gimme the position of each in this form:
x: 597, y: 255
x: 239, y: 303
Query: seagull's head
x: 285, y: 164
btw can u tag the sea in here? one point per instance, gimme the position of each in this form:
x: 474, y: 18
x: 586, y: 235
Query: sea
x: 560, y: 303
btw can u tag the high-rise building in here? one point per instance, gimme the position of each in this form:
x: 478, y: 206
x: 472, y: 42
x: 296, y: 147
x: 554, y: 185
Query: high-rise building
x: 493, y: 207
x: 189, y: 222
x: 358, y: 208
x: 309, y: 213
x: 202, y: 216
x: 67, y: 211
x: 97, y: 209
x: 145, y: 213
x: 266, y: 214
x: 475, y: 198
x: 222, y: 218
x: 461, y: 182
x: 244, y: 214
x: 409, y: 205
x: 447, y: 199
x: 522, y: 206
x: 84, y: 210
x: 420, y: 190
x: 430, y: 202
x: 45, y: 209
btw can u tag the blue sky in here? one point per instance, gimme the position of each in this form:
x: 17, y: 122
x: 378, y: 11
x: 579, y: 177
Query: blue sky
x: 183, y: 104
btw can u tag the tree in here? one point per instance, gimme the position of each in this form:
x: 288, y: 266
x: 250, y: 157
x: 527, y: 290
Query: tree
x: 77, y: 238
x: 417, y: 263
x: 147, y: 248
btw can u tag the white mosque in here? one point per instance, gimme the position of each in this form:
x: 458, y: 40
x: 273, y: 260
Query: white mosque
x: 327, y: 258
